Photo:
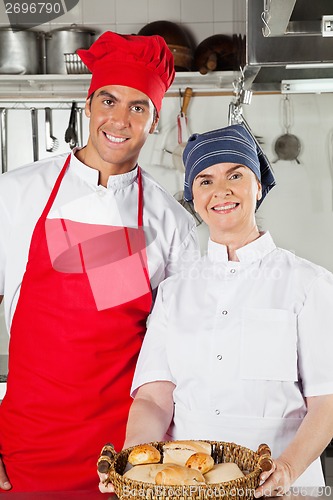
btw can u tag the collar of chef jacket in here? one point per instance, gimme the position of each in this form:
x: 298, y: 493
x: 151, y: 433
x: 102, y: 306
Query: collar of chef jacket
x: 248, y: 254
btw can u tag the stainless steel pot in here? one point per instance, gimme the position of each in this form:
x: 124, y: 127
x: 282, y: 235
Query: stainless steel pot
x: 20, y: 51
x: 62, y: 41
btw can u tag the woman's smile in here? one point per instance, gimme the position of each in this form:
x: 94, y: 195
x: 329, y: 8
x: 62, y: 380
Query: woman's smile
x: 225, y: 208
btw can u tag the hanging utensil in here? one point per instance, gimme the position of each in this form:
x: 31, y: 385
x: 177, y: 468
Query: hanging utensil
x: 287, y: 146
x: 182, y: 118
x: 34, y: 126
x: 177, y: 154
x: 3, y: 125
x: 70, y: 134
x: 52, y: 142
x: 183, y: 132
x: 330, y: 159
x: 79, y: 127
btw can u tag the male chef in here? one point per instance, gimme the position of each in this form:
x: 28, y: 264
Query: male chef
x: 86, y: 238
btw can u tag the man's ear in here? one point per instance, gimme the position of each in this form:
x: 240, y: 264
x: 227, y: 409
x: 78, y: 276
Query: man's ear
x: 87, y: 107
x: 154, y: 125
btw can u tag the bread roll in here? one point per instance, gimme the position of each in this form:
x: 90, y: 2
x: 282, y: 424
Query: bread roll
x: 201, y: 462
x: 221, y: 473
x: 144, y: 454
x: 145, y: 473
x: 178, y: 452
x: 178, y: 475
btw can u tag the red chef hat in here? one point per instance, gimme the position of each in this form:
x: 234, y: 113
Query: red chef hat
x: 141, y: 62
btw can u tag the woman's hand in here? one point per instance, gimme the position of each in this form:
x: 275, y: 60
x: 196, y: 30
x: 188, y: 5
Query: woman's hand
x: 275, y: 482
x: 4, y: 481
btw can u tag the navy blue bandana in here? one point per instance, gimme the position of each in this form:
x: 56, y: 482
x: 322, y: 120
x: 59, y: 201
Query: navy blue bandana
x: 233, y: 144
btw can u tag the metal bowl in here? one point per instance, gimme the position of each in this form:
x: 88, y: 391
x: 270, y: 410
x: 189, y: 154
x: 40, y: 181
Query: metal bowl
x: 75, y: 65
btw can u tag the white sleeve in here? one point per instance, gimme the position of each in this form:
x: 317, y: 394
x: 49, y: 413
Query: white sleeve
x: 153, y: 363
x: 4, y: 236
x: 183, y: 256
x: 315, y: 338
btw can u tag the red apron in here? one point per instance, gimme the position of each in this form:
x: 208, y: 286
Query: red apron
x: 75, y: 337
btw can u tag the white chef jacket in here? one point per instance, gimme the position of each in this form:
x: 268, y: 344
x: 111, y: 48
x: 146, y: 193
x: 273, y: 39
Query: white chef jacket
x: 244, y: 342
x: 170, y: 230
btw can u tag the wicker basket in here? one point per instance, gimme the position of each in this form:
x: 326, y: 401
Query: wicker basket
x: 74, y: 64
x: 251, y: 464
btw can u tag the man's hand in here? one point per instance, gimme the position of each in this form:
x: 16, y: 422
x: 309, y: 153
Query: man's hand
x: 103, y: 466
x: 275, y: 482
x: 104, y: 485
x: 4, y: 481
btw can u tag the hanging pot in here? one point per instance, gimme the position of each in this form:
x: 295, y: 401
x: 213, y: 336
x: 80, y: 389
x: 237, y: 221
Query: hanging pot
x: 63, y: 41
x: 20, y: 51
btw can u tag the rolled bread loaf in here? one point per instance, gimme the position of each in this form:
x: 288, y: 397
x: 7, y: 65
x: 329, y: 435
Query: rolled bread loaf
x: 178, y: 452
x: 221, y: 473
x: 145, y: 473
x: 179, y: 475
x: 144, y: 454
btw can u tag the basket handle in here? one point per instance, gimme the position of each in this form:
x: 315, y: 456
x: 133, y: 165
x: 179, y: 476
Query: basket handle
x: 265, y: 460
x: 106, y: 458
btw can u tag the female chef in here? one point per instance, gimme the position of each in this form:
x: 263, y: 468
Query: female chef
x: 86, y: 238
x: 239, y: 348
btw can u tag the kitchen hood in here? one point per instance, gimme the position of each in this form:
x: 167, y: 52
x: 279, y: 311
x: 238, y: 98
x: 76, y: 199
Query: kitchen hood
x: 289, y: 45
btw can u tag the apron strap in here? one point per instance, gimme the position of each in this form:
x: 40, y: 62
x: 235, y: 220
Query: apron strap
x: 140, y: 199
x: 55, y: 189
x: 140, y: 222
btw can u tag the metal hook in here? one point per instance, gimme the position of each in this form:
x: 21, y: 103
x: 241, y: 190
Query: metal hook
x: 265, y: 17
x: 287, y: 114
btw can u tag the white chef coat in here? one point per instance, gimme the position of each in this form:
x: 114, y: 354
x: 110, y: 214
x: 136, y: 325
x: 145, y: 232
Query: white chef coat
x: 170, y: 230
x: 243, y: 342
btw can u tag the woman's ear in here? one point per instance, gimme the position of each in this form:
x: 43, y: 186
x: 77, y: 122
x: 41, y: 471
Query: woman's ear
x: 259, y: 193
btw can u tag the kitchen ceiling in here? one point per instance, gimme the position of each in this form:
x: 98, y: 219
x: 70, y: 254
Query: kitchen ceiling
x: 284, y: 41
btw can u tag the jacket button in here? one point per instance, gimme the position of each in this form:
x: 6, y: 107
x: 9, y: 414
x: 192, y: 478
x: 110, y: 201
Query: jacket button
x: 217, y: 412
x: 219, y: 357
x: 224, y: 312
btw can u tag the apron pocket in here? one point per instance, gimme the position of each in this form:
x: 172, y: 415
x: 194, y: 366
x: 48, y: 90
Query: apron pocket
x: 268, y: 345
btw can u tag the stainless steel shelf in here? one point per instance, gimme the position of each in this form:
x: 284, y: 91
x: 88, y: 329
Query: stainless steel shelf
x: 68, y: 87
